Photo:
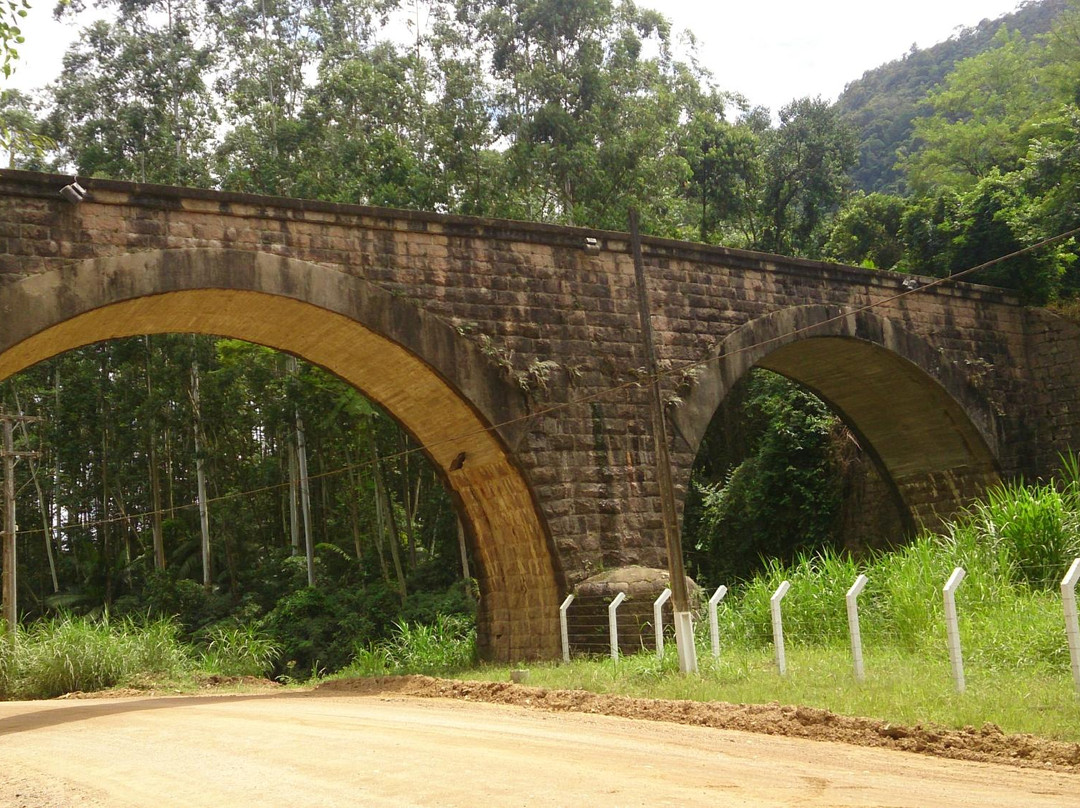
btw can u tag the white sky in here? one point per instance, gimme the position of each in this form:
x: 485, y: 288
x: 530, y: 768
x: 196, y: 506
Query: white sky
x: 771, y: 51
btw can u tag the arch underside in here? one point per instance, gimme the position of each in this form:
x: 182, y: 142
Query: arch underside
x: 931, y: 454
x: 921, y: 421
x: 354, y: 330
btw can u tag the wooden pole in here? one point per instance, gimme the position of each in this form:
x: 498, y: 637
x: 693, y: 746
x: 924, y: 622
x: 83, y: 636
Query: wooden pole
x: 676, y: 569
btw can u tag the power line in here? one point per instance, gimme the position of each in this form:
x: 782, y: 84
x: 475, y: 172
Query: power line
x: 596, y: 395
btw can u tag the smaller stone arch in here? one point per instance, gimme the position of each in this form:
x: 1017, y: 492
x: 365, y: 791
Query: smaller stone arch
x: 929, y: 430
x: 437, y: 385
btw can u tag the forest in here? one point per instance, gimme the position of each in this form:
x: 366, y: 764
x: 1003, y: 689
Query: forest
x: 564, y: 111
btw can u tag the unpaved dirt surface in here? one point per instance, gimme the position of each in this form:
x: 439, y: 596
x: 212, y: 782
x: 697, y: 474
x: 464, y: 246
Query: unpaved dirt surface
x: 987, y: 744
x: 416, y: 741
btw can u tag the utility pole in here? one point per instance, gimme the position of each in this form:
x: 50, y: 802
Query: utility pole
x: 684, y: 630
x: 10, y: 610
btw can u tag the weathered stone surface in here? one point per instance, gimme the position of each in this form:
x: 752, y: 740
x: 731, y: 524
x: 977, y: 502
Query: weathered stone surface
x: 587, y: 617
x: 513, y: 344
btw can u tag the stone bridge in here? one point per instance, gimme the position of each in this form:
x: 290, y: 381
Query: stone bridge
x: 512, y: 353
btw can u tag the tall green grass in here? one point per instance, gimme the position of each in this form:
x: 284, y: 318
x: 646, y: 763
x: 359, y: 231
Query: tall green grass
x: 8, y: 649
x: 239, y: 650
x: 445, y: 646
x: 68, y: 654
x: 1015, y: 547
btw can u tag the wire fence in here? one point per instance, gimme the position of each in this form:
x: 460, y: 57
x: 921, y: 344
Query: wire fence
x: 1018, y: 627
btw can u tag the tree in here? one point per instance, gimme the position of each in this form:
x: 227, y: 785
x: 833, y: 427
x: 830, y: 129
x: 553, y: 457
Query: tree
x: 768, y: 486
x: 996, y: 219
x: 805, y: 164
x: 131, y: 103
x: 984, y: 116
x: 867, y: 231
x: 11, y: 36
x: 20, y: 132
x: 268, y: 48
x: 589, y: 121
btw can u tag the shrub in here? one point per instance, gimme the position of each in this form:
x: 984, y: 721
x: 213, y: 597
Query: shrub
x: 316, y: 630
x: 239, y: 650
x: 1034, y: 527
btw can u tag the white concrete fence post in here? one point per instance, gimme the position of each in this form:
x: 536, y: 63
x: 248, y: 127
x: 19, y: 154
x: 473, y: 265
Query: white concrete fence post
x: 564, y: 627
x: 1072, y: 628
x: 714, y: 621
x: 613, y: 624
x: 778, y: 625
x: 952, y: 628
x: 658, y: 621
x: 852, y: 601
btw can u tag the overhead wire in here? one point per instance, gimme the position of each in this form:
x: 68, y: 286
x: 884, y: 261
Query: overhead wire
x: 923, y: 286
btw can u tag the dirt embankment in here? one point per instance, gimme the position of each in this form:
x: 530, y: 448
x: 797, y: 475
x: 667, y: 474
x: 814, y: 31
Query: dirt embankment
x: 987, y: 744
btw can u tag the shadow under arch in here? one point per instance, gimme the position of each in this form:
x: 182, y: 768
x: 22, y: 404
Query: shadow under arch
x: 438, y: 386
x: 930, y: 432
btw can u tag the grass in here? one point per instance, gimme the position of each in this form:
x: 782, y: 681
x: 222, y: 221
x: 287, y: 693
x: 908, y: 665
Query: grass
x: 238, y: 650
x: 900, y: 687
x: 447, y: 645
x: 71, y: 654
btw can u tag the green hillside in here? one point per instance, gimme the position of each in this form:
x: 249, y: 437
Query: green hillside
x: 883, y: 103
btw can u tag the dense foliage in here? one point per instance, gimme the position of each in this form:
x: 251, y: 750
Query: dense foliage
x: 766, y: 483
x: 982, y: 143
x: 116, y: 479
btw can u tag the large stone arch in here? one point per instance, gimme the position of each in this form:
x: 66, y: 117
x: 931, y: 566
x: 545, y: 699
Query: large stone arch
x: 434, y: 382
x: 930, y: 431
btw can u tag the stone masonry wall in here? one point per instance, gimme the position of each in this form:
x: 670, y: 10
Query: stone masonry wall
x: 560, y: 318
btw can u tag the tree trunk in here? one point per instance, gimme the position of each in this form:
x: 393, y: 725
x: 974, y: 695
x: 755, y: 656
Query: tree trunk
x: 352, y: 498
x: 155, y: 476
x: 385, y: 516
x: 294, y: 496
x: 465, y: 574
x: 391, y: 523
x: 305, y: 487
x: 200, y: 473
x: 407, y: 500
x: 305, y: 498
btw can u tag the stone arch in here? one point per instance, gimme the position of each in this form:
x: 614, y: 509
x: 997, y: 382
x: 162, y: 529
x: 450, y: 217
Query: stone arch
x: 932, y: 434
x: 438, y: 385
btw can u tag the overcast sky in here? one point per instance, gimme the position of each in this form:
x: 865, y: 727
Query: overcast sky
x: 769, y: 50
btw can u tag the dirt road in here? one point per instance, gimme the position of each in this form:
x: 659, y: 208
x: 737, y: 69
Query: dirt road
x: 317, y: 749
